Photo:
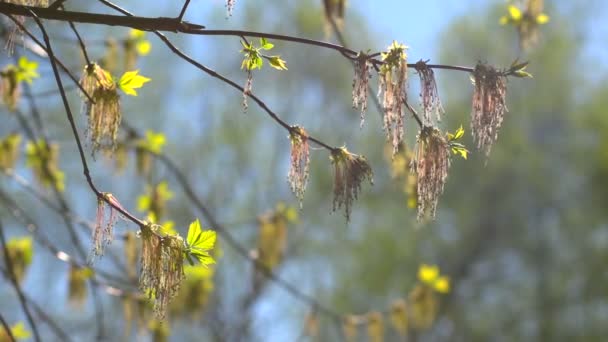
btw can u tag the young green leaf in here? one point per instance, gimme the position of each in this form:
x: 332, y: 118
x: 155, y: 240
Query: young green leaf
x: 200, y: 243
x: 265, y: 44
x: 130, y: 81
x: 26, y: 70
x: 277, y: 63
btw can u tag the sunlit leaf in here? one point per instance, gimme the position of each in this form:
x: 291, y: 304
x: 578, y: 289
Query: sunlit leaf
x: 130, y: 81
x: 265, y: 44
x: 27, y: 70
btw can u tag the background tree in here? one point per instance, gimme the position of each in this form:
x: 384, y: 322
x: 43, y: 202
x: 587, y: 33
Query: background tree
x: 520, y: 234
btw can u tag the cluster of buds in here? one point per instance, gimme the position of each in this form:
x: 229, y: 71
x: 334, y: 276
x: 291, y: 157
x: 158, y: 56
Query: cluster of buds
x: 350, y: 170
x: 104, y: 112
x: 489, y: 105
x: 431, y: 163
x: 162, y: 267
x: 393, y: 92
x: 300, y: 162
x: 429, y: 95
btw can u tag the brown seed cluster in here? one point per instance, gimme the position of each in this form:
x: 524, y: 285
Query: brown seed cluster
x: 162, y: 267
x: 350, y: 170
x: 103, y: 234
x: 393, y: 92
x: 429, y: 95
x: 489, y: 105
x: 104, y: 114
x: 361, y: 83
x: 300, y: 162
x: 431, y: 164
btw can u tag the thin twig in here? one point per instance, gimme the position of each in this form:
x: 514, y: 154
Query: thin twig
x: 7, y: 329
x: 183, y: 11
x: 53, y: 58
x: 83, y: 48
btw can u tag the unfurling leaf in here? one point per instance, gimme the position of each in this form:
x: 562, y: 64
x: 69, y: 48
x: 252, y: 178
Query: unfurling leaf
x: 265, y: 44
x: 130, y: 81
x: 277, y: 63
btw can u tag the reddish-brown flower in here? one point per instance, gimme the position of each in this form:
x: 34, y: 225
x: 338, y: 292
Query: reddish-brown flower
x: 300, y: 160
x: 431, y: 164
x: 489, y: 105
x: 103, y: 234
x: 429, y: 95
x: 361, y: 83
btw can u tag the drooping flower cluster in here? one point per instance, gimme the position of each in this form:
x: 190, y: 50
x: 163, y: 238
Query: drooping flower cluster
x: 361, y: 83
x: 162, y: 268
x: 77, y: 285
x: 103, y: 234
x: 104, y: 114
x: 375, y: 326
x: 43, y: 159
x: 393, y: 92
x: 429, y: 96
x: 9, y: 151
x: 350, y: 170
x: 431, y: 164
x: 247, y: 89
x: 399, y: 317
x: 12, y: 76
x: 423, y: 300
x: 489, y: 105
x: 300, y: 160
x: 20, y: 254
